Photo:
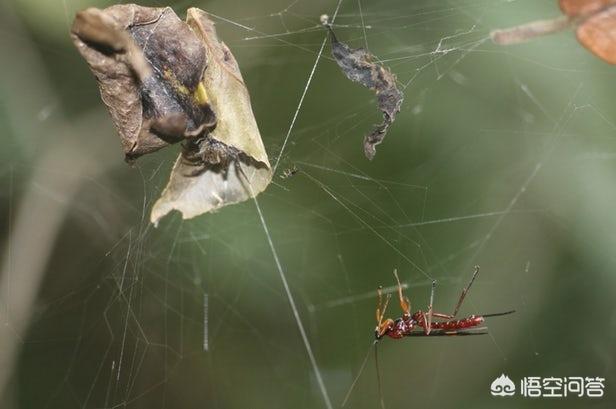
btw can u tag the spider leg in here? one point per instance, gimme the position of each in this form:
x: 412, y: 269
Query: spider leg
x: 238, y: 168
x: 192, y: 155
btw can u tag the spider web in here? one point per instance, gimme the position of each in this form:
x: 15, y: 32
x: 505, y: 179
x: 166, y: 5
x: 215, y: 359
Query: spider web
x: 500, y: 157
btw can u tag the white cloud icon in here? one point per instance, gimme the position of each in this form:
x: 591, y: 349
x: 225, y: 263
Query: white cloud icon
x: 502, y: 386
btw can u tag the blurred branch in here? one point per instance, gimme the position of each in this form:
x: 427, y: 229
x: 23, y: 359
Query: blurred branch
x: 29, y: 246
x: 58, y: 173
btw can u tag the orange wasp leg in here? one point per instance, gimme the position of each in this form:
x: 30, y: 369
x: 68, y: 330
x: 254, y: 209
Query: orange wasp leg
x: 382, y: 326
x: 405, y: 303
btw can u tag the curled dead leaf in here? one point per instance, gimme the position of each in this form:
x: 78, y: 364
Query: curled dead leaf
x: 249, y: 172
x: 358, y: 66
x: 166, y: 81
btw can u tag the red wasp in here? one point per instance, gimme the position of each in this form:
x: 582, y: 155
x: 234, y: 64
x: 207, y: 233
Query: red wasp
x: 420, y: 324
x: 409, y: 324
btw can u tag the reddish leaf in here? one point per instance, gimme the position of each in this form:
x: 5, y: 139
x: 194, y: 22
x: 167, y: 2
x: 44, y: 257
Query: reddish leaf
x: 576, y: 8
x: 594, y: 22
x: 598, y: 34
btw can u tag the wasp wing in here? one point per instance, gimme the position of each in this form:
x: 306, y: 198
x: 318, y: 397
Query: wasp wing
x: 442, y: 333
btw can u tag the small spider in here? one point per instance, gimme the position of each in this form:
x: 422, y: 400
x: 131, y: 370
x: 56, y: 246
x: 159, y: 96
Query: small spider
x: 289, y: 172
x: 205, y: 153
x: 407, y: 324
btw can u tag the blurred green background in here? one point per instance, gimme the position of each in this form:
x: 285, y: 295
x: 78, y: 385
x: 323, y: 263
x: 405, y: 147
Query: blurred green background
x: 501, y: 157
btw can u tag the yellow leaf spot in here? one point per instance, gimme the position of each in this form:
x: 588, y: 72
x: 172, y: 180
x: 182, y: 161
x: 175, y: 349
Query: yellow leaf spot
x: 201, y: 95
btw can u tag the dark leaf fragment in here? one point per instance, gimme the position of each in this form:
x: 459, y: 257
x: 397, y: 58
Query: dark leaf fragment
x: 357, y: 65
x: 149, y: 65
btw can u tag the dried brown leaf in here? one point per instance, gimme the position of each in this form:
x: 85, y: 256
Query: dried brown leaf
x: 249, y: 171
x: 166, y: 81
x: 152, y: 92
